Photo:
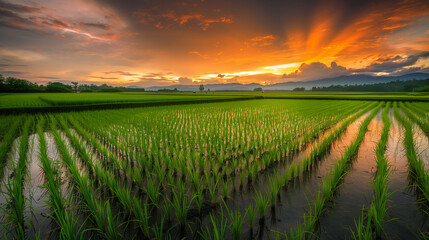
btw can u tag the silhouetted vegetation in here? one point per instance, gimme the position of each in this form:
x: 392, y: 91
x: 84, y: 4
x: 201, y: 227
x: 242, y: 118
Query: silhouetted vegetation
x: 394, y: 86
x: 299, y: 89
x: 16, y: 85
x: 110, y: 89
x: 168, y: 90
x: 58, y: 87
x: 258, y: 89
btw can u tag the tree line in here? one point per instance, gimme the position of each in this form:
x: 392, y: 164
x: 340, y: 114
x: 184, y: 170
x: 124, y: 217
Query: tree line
x: 16, y: 85
x: 393, y: 86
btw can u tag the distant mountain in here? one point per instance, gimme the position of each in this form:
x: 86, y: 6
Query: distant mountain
x: 212, y: 87
x: 347, y: 79
x: 324, y: 82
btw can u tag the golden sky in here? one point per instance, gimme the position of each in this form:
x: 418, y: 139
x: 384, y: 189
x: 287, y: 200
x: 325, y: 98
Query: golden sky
x: 156, y: 43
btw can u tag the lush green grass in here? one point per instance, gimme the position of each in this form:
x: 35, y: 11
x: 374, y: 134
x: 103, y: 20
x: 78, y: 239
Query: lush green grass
x: 41, y: 100
x: 21, y: 100
x: 101, y: 98
x: 35, y: 100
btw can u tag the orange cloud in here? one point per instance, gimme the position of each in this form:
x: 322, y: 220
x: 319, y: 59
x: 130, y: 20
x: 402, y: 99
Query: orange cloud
x: 262, y: 41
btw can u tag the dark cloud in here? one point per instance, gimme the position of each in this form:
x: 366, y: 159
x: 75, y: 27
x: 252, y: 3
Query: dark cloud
x: 393, y: 63
x: 12, y: 19
x: 102, y: 26
x: 404, y: 71
x: 18, y: 7
x: 316, y: 70
x: 12, y: 72
x: 12, y: 65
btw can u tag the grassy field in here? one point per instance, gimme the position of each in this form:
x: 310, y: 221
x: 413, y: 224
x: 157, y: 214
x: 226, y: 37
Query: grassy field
x: 34, y: 101
x: 267, y: 168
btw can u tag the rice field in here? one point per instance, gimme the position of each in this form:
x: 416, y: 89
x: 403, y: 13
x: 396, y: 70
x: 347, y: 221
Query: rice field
x: 11, y: 101
x: 249, y: 169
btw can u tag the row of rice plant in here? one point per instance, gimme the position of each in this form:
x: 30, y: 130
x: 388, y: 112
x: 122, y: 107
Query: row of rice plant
x: 131, y: 204
x: 330, y: 184
x: 296, y: 169
x: 14, y: 187
x: 423, y: 123
x: 418, y: 110
x: 60, y: 214
x: 8, y: 136
x: 371, y: 226
x: 247, y: 156
x: 416, y: 165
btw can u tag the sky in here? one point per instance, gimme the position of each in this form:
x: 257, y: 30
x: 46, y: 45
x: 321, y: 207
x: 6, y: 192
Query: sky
x: 159, y: 42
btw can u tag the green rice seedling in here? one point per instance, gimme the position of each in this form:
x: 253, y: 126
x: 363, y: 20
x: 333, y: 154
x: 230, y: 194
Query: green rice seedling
x: 233, y: 183
x: 105, y: 213
x: 251, y: 212
x: 218, y: 230
x: 378, y: 209
x: 212, y: 187
x: 236, y: 224
x: 195, y: 178
x: 225, y: 188
x: 14, y: 188
x: 295, y: 233
x: 241, y: 180
x: 420, y: 112
x: 69, y: 227
x: 326, y: 144
x: 152, y: 191
x: 262, y: 205
x: 142, y: 215
x: 423, y: 123
x: 332, y: 181
x: 7, y: 141
x: 363, y: 231
x: 199, y: 199
x: 274, y: 191
x: 99, y: 213
x: 291, y: 171
x: 181, y: 207
x: 416, y: 166
x: 167, y: 209
x: 158, y: 231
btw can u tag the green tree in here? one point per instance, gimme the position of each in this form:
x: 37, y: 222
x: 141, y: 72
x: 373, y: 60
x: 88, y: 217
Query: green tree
x: 58, y: 87
x: 75, y: 86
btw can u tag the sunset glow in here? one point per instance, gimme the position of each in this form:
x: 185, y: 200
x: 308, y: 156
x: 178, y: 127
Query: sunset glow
x: 159, y: 43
